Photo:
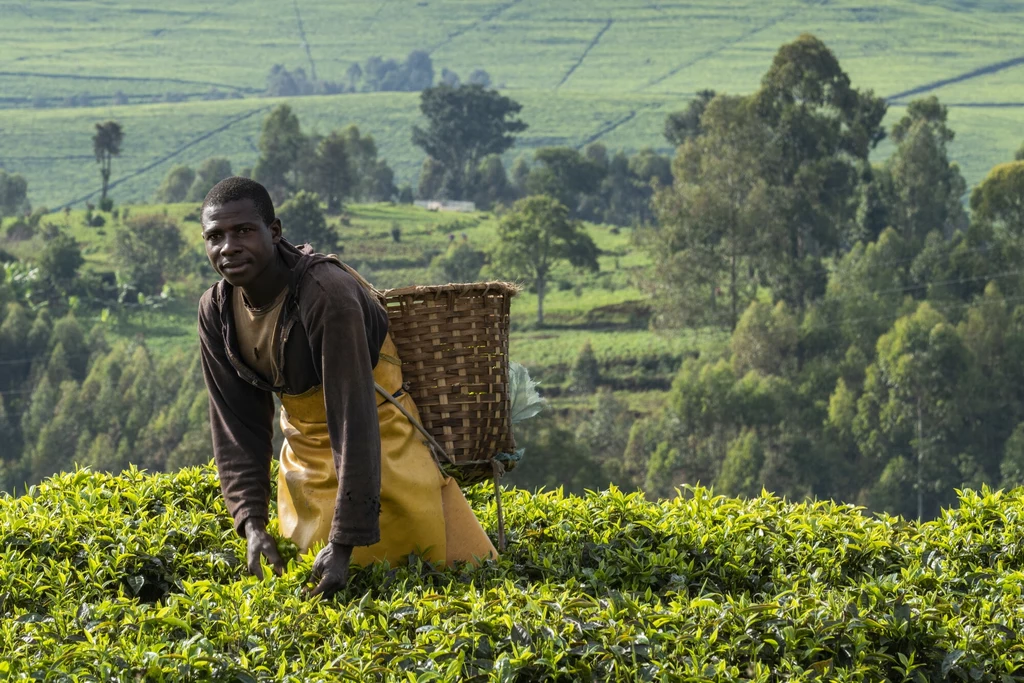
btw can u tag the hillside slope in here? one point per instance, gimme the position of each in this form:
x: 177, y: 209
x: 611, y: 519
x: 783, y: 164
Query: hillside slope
x: 136, y: 576
x: 598, y: 70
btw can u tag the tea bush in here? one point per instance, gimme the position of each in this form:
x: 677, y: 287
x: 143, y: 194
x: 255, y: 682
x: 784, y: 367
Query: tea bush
x: 139, y: 577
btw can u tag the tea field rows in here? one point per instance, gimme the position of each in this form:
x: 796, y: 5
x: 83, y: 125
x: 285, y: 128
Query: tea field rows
x: 603, y: 70
x: 131, y: 577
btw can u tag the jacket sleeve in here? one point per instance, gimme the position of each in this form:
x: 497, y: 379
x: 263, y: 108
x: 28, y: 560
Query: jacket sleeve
x: 346, y: 328
x: 241, y: 422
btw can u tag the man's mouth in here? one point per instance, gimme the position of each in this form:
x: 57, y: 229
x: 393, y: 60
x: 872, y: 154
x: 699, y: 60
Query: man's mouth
x: 233, y: 266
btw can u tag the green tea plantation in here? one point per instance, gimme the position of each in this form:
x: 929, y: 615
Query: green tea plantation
x: 140, y: 578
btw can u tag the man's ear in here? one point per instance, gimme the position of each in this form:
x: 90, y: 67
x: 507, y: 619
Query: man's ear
x: 275, y: 230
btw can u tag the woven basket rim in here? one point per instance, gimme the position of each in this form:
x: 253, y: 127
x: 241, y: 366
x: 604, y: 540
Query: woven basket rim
x: 509, y: 288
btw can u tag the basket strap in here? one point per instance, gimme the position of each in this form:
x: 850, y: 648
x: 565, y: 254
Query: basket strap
x: 499, y: 470
x: 435, y: 447
x: 390, y: 359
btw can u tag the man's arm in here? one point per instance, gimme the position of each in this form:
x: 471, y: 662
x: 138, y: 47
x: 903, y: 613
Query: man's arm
x: 346, y: 329
x: 241, y: 421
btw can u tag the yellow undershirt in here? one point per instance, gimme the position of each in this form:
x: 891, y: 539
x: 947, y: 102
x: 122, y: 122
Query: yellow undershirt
x: 256, y: 332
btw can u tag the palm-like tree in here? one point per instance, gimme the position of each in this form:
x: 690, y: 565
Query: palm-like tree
x: 106, y: 143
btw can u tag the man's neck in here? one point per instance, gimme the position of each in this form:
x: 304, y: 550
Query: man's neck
x: 268, y: 284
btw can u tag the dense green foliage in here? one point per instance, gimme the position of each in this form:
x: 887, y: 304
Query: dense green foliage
x: 876, y: 328
x: 68, y: 396
x: 137, y: 576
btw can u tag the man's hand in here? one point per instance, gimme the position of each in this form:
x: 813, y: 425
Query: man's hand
x: 260, y: 542
x: 330, y: 569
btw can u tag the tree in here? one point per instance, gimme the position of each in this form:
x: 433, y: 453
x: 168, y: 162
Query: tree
x: 585, y: 373
x: 418, y: 71
x: 741, y: 469
x: 605, y: 435
x: 627, y: 186
x: 480, y: 77
x: 764, y: 340
x: 8, y: 437
x: 106, y: 144
x: 209, y: 173
x: 921, y: 368
x: 383, y: 75
x: 821, y: 131
x: 875, y: 202
x: 864, y: 293
x: 14, y: 346
x: 464, y: 125
x: 67, y: 333
x: 175, y: 186
x: 281, y: 147
x: 431, y: 179
x: 683, y: 125
x: 303, y: 222
x: 1012, y: 467
x: 60, y: 259
x: 714, y: 220
x: 450, y: 78
x: 370, y: 172
x: 928, y: 111
x: 380, y: 184
x: 284, y: 83
x: 565, y: 174
x: 331, y: 173
x: 13, y: 193
x: 999, y: 199
x: 994, y: 338
x: 518, y: 174
x: 353, y: 75
x: 536, y: 235
x: 147, y: 252
x: 492, y: 185
x: 926, y: 188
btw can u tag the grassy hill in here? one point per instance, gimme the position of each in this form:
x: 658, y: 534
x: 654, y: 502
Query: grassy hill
x: 137, y: 577
x: 600, y: 70
x: 605, y: 308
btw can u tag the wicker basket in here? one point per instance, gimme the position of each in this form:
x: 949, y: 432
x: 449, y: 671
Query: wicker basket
x: 453, y: 343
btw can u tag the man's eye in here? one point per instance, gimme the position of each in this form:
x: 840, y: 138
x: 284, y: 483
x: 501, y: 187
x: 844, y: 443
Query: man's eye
x: 212, y: 238
x: 244, y: 230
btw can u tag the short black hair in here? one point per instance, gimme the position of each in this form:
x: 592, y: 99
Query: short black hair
x: 235, y: 188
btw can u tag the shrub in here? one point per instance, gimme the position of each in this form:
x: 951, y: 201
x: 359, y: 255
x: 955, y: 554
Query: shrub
x: 175, y: 186
x: 20, y: 230
x: 461, y: 263
x: 60, y: 259
x: 147, y: 252
x: 138, y: 577
x: 303, y: 221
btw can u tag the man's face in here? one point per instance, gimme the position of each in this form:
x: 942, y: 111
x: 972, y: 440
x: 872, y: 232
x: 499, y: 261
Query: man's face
x: 239, y: 244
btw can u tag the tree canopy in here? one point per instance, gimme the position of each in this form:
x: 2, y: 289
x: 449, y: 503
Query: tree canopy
x: 464, y: 124
x: 536, y: 235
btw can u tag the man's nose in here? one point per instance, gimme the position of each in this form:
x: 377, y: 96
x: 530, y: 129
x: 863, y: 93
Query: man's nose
x: 231, y: 245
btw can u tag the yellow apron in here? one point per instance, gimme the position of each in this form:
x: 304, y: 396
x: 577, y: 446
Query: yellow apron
x: 421, y: 511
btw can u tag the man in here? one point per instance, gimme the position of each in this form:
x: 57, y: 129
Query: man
x: 354, y: 473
